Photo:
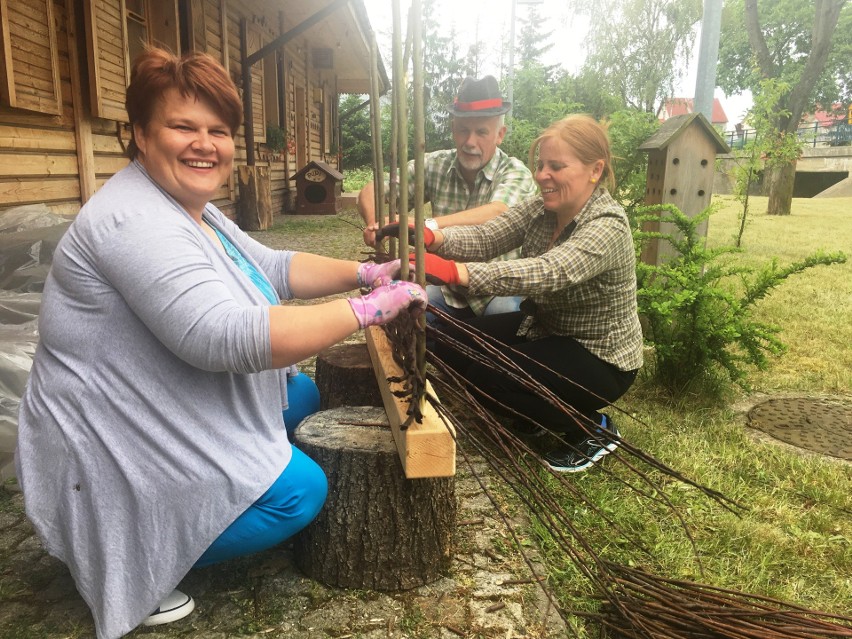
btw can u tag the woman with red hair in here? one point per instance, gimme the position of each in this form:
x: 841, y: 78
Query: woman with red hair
x: 152, y: 437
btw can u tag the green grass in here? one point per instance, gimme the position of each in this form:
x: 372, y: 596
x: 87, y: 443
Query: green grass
x: 813, y: 308
x: 794, y: 541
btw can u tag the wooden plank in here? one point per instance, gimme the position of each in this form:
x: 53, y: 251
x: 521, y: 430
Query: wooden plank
x: 427, y: 449
x: 258, y: 86
x: 35, y: 164
x: 15, y: 192
x: 82, y: 123
x: 26, y: 138
x: 106, y: 143
x: 109, y: 164
x: 28, y: 18
x: 223, y: 26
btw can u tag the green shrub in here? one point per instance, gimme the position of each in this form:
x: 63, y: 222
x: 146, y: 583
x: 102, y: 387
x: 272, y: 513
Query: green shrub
x: 628, y: 129
x: 355, y: 179
x: 275, y: 137
x: 697, y: 308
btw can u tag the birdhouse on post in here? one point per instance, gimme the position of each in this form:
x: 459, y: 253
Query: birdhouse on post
x: 318, y: 189
x: 681, y: 167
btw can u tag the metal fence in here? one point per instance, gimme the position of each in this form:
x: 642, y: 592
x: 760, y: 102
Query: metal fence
x: 838, y: 133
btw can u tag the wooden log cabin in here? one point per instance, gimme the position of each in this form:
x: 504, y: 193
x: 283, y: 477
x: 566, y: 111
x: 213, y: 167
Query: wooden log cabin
x: 64, y: 66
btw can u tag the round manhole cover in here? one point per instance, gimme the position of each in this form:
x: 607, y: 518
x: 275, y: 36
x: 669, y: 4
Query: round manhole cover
x: 819, y: 425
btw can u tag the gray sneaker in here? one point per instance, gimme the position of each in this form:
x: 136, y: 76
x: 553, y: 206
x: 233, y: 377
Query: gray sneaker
x: 577, y: 458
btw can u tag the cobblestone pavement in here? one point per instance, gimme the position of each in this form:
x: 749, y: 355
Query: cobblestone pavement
x: 487, y: 593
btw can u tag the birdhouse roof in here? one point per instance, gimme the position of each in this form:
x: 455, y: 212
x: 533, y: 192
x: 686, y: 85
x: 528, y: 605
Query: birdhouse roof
x: 671, y: 129
x: 337, y: 175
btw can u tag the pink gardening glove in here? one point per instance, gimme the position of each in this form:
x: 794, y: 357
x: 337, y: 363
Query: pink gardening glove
x: 384, y: 303
x: 371, y: 275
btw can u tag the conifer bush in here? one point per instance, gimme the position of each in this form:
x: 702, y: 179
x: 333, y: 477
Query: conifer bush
x: 698, y: 307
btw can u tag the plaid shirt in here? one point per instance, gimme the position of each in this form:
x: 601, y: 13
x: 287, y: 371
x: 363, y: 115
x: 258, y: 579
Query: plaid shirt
x: 503, y: 179
x: 584, y: 286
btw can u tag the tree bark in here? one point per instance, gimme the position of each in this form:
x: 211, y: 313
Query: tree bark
x: 779, y: 181
x: 826, y: 14
x: 377, y: 530
x: 254, y: 209
x: 345, y: 377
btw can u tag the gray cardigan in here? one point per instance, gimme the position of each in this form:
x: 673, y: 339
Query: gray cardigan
x: 151, y: 419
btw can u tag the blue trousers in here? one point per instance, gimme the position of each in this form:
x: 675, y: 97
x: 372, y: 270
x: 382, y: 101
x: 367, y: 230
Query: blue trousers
x: 290, y: 504
x: 304, y: 400
x: 496, y: 306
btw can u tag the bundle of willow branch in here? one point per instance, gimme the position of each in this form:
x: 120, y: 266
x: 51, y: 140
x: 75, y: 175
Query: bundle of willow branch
x: 652, y: 606
x: 635, y: 603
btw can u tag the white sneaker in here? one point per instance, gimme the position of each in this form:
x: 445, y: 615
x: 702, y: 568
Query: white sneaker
x: 176, y: 606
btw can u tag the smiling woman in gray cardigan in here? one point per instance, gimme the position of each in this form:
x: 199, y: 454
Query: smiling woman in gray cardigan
x: 151, y: 431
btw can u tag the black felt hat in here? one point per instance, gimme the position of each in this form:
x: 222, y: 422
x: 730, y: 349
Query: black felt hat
x: 479, y: 98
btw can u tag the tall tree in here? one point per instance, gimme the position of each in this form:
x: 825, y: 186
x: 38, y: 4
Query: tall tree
x: 794, y: 43
x: 637, y: 47
x: 355, y: 135
x: 532, y: 41
x: 444, y: 68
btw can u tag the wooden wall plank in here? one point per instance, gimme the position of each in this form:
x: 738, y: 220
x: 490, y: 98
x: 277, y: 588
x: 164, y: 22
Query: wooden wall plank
x: 16, y: 192
x: 36, y: 164
x: 29, y: 138
x: 109, y: 164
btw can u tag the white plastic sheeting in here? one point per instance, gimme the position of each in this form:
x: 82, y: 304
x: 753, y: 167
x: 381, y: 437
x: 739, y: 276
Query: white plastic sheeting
x: 28, y: 237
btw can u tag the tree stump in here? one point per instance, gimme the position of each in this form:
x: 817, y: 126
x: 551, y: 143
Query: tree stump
x: 378, y: 530
x: 345, y: 377
x: 254, y: 210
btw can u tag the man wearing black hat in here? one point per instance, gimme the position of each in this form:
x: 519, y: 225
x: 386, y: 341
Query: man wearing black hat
x: 470, y: 184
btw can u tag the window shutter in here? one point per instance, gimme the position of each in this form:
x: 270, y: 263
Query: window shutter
x: 29, y: 66
x: 198, y: 26
x: 109, y: 73
x: 255, y: 43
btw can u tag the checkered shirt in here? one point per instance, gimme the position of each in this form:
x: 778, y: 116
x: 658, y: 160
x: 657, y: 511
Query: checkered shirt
x: 584, y: 286
x: 503, y: 179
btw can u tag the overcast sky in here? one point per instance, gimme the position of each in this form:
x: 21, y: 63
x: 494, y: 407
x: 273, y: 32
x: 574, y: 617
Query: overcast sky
x: 487, y: 20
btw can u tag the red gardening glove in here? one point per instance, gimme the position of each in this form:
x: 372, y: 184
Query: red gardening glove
x: 438, y: 270
x: 392, y: 230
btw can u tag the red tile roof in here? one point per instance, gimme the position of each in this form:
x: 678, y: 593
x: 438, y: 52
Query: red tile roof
x: 682, y: 106
x: 826, y: 118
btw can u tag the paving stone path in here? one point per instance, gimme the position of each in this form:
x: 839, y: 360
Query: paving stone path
x: 266, y: 596
x: 487, y: 593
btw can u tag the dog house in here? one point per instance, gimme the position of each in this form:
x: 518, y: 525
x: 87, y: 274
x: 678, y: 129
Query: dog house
x: 318, y: 189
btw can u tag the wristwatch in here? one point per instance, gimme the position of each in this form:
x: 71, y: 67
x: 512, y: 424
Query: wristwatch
x: 431, y: 224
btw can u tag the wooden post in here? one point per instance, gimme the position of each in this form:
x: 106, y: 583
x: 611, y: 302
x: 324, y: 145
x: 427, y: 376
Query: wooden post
x: 248, y: 110
x: 82, y: 119
x: 427, y: 449
x: 377, y: 530
x: 254, y: 208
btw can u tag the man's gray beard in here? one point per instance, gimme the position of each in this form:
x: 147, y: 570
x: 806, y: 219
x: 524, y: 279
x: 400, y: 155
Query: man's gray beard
x: 466, y: 163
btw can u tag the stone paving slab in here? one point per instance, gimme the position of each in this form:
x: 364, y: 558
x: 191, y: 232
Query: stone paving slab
x: 266, y: 596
